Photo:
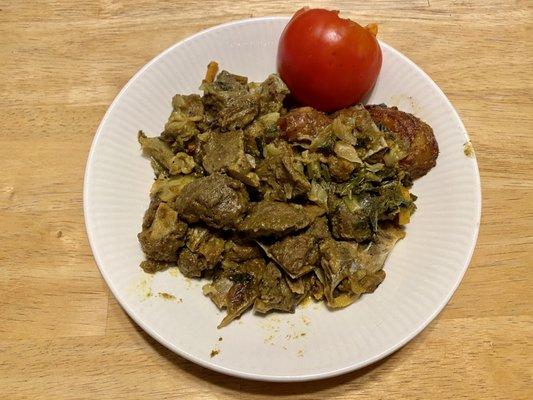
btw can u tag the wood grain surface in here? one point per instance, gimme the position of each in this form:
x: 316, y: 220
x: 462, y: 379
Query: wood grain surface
x: 63, y: 336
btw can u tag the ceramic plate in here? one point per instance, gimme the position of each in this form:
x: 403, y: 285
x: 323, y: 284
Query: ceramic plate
x: 423, y: 271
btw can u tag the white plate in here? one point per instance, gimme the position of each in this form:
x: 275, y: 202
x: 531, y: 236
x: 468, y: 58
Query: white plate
x: 422, y: 273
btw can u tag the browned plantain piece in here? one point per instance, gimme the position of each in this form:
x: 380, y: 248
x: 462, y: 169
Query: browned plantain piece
x: 418, y: 136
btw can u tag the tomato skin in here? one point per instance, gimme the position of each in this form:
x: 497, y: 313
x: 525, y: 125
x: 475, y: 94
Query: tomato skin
x: 327, y: 62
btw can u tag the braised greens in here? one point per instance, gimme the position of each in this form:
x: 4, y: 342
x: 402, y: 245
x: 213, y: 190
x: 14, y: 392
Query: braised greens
x: 273, y: 204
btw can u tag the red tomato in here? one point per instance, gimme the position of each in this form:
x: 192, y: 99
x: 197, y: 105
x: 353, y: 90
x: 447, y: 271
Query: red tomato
x: 328, y: 62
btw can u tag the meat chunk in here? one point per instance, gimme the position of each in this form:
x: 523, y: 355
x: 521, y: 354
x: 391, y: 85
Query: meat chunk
x: 228, y: 101
x: 217, y: 200
x: 149, y: 214
x: 162, y: 240
x: 190, y: 105
x: 152, y: 266
x: 274, y: 292
x: 186, y: 110
x: 275, y: 218
x: 203, y: 252
x: 299, y: 254
x: 238, y: 250
x: 418, y: 136
x: 160, y: 152
x: 272, y: 92
x: 224, y: 152
x: 281, y: 174
x: 302, y: 124
x: 349, y: 225
x: 207, y: 243
x: 191, y: 264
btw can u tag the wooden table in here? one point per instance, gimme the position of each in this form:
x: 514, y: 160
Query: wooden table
x: 63, y: 335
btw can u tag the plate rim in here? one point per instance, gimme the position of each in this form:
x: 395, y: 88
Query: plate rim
x: 229, y: 371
